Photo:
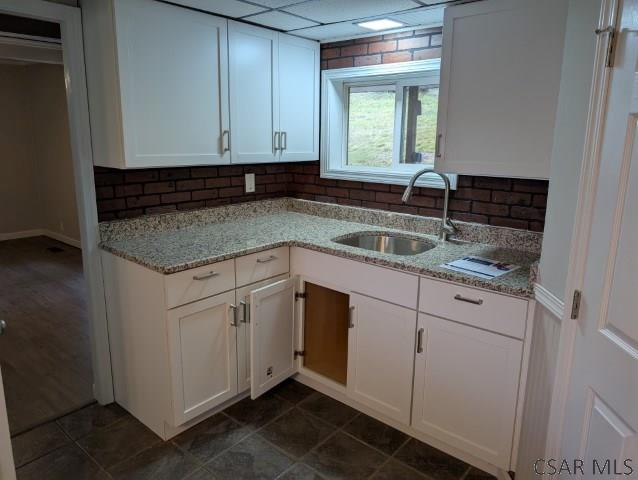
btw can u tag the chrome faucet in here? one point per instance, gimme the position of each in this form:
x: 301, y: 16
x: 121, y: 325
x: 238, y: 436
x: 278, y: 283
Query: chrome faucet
x: 447, y: 227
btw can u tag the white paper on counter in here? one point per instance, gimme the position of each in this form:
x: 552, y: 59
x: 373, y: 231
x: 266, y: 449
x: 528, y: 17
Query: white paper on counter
x: 480, y: 267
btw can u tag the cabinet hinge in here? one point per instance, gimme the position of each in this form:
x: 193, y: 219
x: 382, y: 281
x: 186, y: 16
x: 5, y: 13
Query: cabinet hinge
x: 299, y: 295
x: 576, y: 304
x: 300, y: 353
x: 612, y: 34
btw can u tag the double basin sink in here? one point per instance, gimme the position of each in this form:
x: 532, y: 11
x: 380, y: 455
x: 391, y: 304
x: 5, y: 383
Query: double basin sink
x: 379, y: 242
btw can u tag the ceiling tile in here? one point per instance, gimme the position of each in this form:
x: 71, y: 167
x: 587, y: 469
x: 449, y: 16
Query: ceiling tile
x: 332, y: 31
x: 229, y: 8
x: 278, y: 3
x: 280, y: 20
x: 421, y: 16
x: 328, y: 11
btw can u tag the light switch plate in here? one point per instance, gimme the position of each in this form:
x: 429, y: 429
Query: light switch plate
x: 250, y: 182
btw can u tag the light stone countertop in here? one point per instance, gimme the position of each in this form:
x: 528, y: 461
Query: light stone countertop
x: 174, y: 242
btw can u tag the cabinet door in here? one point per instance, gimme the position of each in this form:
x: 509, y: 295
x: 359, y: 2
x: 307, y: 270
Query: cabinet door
x: 298, y: 98
x: 466, y: 386
x: 242, y: 298
x: 173, y: 72
x: 381, y: 356
x: 253, y: 94
x: 499, y: 87
x: 272, y: 336
x: 202, y: 340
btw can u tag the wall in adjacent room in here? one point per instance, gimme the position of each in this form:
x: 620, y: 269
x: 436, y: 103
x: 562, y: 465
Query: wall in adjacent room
x: 37, y: 190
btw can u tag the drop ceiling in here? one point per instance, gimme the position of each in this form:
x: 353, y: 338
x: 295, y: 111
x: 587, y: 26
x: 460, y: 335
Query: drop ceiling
x: 325, y: 20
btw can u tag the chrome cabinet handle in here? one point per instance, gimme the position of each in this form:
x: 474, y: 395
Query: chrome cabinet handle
x: 284, y: 140
x: 266, y: 260
x: 351, y: 317
x: 245, y: 306
x: 276, y: 141
x: 233, y: 322
x: 3, y: 326
x: 205, y: 276
x: 461, y: 298
x: 437, y: 146
x: 226, y: 141
x: 419, y: 341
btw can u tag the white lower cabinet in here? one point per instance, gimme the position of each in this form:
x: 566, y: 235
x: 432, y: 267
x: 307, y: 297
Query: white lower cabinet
x: 466, y: 386
x: 381, y: 355
x: 202, y: 339
x: 242, y: 299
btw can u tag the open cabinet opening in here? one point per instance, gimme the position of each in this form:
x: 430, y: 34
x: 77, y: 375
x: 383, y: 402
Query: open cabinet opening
x: 325, y: 332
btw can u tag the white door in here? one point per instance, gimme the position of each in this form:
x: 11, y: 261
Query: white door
x: 601, y: 418
x: 202, y: 340
x: 298, y: 98
x: 242, y: 299
x: 465, y: 387
x: 499, y: 87
x: 7, y: 467
x: 173, y: 65
x: 272, y: 336
x: 381, y: 356
x: 254, y: 102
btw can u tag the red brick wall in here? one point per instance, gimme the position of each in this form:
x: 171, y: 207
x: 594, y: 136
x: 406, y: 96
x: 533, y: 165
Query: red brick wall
x: 392, y: 48
x: 496, y: 201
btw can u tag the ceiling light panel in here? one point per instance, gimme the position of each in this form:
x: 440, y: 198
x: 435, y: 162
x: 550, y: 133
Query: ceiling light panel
x: 380, y: 24
x: 280, y: 20
x: 329, y: 11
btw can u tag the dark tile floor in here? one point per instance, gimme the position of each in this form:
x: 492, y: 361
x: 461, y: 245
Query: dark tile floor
x: 290, y: 433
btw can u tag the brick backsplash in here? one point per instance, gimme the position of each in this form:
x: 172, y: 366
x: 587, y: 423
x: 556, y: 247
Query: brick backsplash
x: 496, y: 201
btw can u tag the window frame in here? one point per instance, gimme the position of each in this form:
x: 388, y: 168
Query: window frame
x: 335, y: 87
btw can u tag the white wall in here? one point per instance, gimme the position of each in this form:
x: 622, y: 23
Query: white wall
x: 36, y: 169
x: 567, y: 152
x: 569, y: 140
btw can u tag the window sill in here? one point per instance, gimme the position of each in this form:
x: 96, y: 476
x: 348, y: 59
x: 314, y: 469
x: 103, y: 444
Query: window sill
x: 392, y: 178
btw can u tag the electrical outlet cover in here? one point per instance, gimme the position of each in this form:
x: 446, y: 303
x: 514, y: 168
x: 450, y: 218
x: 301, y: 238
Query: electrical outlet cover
x: 250, y: 182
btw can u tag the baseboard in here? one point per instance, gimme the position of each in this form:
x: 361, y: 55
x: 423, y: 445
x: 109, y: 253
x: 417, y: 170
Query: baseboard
x: 551, y: 302
x: 62, y: 238
x: 22, y: 234
x: 38, y: 232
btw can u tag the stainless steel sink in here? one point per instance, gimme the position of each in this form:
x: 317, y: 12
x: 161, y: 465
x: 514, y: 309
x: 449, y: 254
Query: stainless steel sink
x: 387, y: 243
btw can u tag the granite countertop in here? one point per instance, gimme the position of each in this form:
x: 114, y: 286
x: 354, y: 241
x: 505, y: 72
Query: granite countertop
x: 175, y: 242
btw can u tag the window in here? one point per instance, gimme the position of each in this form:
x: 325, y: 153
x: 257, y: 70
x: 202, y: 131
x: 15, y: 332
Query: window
x: 379, y: 122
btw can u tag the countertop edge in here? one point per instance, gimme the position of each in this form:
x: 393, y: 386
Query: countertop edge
x: 527, y: 293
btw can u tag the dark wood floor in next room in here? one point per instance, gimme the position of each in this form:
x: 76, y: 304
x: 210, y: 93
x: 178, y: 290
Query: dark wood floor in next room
x: 292, y: 432
x: 45, y: 352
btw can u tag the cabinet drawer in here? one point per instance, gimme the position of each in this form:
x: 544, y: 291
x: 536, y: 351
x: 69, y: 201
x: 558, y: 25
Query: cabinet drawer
x: 259, y: 266
x: 197, y: 283
x: 490, y: 311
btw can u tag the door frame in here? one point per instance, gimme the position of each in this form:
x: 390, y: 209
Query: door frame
x: 70, y: 20
x: 579, y: 247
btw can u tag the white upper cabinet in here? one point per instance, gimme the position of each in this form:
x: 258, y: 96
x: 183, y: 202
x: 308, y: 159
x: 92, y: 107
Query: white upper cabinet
x: 500, y: 75
x: 298, y: 99
x: 274, y: 96
x: 254, y: 103
x: 158, y: 84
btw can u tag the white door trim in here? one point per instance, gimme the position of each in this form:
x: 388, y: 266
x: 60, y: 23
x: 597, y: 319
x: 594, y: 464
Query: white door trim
x: 70, y: 20
x: 582, y: 226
